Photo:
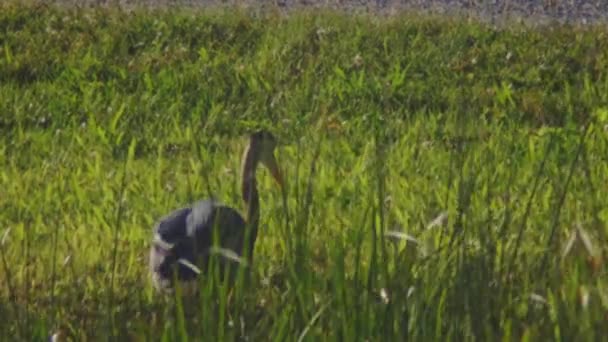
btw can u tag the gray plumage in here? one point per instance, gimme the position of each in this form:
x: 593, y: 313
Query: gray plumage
x: 184, y: 239
x: 189, y: 233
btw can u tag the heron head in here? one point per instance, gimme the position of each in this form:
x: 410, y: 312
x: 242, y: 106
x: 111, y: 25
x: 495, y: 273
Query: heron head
x: 265, y: 143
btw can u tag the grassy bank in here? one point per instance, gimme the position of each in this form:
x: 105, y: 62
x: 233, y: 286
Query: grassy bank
x: 446, y: 179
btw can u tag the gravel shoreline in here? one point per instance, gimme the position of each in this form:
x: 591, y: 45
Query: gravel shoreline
x: 580, y: 12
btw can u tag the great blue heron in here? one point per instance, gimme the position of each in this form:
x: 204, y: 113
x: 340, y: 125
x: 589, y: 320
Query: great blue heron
x: 183, y: 240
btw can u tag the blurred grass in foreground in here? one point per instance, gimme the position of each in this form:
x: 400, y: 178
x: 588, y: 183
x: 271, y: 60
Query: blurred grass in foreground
x: 447, y: 180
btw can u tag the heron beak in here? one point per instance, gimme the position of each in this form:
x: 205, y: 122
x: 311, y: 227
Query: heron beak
x: 273, y: 166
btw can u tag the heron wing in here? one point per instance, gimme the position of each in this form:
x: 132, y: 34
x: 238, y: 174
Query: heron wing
x: 172, y: 228
x: 209, y: 215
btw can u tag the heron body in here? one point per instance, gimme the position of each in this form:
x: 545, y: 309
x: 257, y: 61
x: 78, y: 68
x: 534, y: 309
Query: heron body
x: 188, y: 237
x: 184, y: 239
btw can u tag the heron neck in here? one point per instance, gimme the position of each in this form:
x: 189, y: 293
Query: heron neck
x: 250, y: 193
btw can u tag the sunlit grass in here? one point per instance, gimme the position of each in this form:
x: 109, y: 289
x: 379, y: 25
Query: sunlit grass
x: 446, y: 180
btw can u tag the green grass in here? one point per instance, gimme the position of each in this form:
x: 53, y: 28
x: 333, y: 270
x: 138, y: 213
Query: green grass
x: 487, y: 147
